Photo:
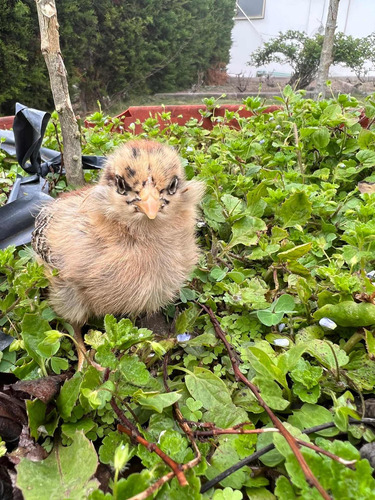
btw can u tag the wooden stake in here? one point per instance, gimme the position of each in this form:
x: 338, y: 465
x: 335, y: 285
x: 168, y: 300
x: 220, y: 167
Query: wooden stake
x: 50, y: 45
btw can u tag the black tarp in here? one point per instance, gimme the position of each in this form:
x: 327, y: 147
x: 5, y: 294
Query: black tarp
x: 29, y: 193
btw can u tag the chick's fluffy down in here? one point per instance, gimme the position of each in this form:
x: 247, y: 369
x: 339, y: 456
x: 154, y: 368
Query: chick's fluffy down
x: 110, y: 256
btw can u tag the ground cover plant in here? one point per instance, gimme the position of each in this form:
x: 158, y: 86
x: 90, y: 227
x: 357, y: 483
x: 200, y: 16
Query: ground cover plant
x: 277, y: 319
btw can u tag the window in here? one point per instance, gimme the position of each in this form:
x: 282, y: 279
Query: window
x: 253, y: 9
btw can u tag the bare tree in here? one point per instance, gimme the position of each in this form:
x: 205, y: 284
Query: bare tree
x: 50, y: 44
x: 327, y: 49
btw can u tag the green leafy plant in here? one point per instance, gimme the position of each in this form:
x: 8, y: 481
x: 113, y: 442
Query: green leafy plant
x: 287, y: 239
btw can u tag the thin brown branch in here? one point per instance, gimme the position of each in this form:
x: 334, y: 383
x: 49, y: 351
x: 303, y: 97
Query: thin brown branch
x: 153, y: 448
x: 177, y: 412
x: 164, y: 479
x: 131, y: 430
x: 322, y: 451
x: 291, y: 440
x: 232, y: 430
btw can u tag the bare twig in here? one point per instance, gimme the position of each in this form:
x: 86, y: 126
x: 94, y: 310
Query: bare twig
x: 256, y: 455
x: 189, y: 433
x: 179, y: 417
x: 131, y: 430
x: 164, y: 479
x: 322, y: 451
x: 232, y: 430
x: 291, y: 440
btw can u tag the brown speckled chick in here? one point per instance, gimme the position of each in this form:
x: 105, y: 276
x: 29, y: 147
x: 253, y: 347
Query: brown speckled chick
x: 125, y: 245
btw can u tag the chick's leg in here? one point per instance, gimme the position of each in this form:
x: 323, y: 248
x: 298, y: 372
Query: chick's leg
x: 81, y: 348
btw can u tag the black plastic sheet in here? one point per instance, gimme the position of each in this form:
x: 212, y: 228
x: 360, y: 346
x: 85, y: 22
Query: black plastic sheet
x: 30, y: 193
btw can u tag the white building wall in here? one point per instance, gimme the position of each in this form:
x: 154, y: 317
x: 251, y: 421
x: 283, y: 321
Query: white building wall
x: 356, y: 18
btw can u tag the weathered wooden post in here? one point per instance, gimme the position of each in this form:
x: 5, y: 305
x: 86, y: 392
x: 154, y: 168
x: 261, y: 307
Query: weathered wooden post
x: 50, y: 45
x: 327, y: 49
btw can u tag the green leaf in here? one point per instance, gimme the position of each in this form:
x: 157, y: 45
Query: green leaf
x: 227, y: 494
x: 296, y: 210
x: 85, y: 425
x: 284, y: 489
x: 271, y: 393
x: 295, y: 252
x: 348, y: 313
x: 33, y: 333
x: 263, y: 365
x: 208, y: 388
x: 109, y: 445
x: 269, y: 318
x: 321, y: 138
x: 186, y: 320
x: 365, y: 138
x: 331, y: 113
x: 68, y: 395
x: 133, y: 370
x: 155, y: 401
x: 224, y: 457
x: 36, y: 412
x: 370, y: 344
x: 134, y: 484
x: 366, y: 157
x: 245, y: 231
x: 285, y: 304
x: 327, y: 353
x: 124, y: 334
x: 65, y: 473
x: 310, y: 415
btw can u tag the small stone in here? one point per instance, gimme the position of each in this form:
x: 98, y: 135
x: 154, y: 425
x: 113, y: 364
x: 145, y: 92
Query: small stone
x: 281, y: 327
x: 281, y: 342
x: 183, y: 337
x: 327, y: 323
x: 371, y: 274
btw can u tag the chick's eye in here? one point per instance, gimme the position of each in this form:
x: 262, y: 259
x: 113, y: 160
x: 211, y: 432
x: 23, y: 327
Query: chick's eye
x: 172, y: 188
x: 121, y: 185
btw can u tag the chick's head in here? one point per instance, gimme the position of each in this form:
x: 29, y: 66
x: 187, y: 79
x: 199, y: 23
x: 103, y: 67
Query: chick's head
x: 145, y: 180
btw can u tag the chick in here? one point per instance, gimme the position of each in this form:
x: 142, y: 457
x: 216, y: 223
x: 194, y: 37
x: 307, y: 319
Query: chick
x: 123, y: 246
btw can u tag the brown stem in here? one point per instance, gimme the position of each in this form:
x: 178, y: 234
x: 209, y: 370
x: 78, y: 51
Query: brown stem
x: 291, y: 440
x: 131, y: 430
x: 312, y: 446
x: 153, y: 448
x: 232, y: 430
x: 177, y: 412
x: 164, y: 479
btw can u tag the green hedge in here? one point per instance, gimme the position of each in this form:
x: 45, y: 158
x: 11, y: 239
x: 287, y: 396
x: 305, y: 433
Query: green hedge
x: 113, y: 48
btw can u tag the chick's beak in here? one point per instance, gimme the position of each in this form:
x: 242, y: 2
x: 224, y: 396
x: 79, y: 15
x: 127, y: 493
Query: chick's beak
x: 150, y: 202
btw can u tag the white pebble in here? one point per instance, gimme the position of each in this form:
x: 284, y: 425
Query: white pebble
x: 281, y: 327
x: 281, y: 342
x: 327, y: 323
x: 183, y: 337
x: 371, y: 274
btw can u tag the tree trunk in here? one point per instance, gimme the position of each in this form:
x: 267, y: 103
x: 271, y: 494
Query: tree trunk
x: 50, y: 44
x: 327, y: 49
